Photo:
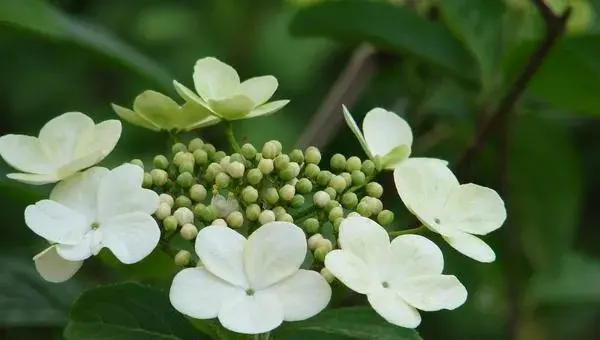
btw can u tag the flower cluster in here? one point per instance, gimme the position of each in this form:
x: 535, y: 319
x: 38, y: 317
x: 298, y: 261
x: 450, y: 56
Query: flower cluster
x: 271, y: 230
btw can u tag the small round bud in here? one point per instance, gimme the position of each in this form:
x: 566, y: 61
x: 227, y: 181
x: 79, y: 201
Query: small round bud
x: 279, y: 210
x: 353, y: 163
x: 375, y: 205
x: 212, y: 171
x: 186, y: 166
x: 188, y: 231
x: 338, y: 162
x: 185, y: 179
x: 346, y: 176
x: 285, y: 218
x: 353, y: 214
x: 331, y: 192
x: 349, y: 200
x: 166, y: 198
x: 249, y: 194
x: 198, y: 210
x: 358, y: 178
x: 160, y: 162
x: 178, y: 147
x: 270, y: 195
x: 195, y: 144
x: 287, y: 192
x: 236, y: 170
x: 218, y: 156
x: 277, y: 145
x: 297, y: 156
x: 304, y: 186
x: 182, y: 156
x: 159, y: 177
x: 208, y: 214
x: 325, y: 243
x: 183, y: 202
x: 336, y: 224
x: 170, y: 223
x: 224, y: 162
x: 137, y: 162
x: 219, y: 222
x: 311, y: 170
x: 222, y: 180
x: 338, y: 183
x: 184, y: 215
x: 281, y: 162
x: 312, y: 155
x: 210, y: 150
x: 254, y: 176
x: 236, y: 157
x: 147, y: 180
x: 297, y: 201
x: 163, y: 211
x: 252, y: 212
x: 374, y: 189
x: 266, y: 216
x: 198, y: 192
x: 324, y: 177
x: 363, y: 209
x: 266, y: 166
x: 320, y: 254
x: 385, y: 217
x: 321, y: 198
x: 311, y: 225
x: 269, y: 150
x: 331, y: 205
x: 235, y: 219
x: 313, y: 241
x: 200, y: 157
x: 182, y: 258
x: 290, y: 172
x: 327, y: 275
x: 335, y: 213
x: 248, y: 151
x: 368, y: 167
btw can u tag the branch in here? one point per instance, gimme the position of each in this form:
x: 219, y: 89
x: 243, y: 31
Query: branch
x: 555, y: 28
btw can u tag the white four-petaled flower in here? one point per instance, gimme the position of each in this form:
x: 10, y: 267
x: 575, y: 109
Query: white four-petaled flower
x: 457, y: 212
x: 218, y: 88
x: 398, y: 277
x: 252, y: 285
x: 66, y: 144
x: 89, y: 211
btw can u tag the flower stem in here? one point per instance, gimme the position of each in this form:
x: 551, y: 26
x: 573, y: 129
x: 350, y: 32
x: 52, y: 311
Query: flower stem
x: 263, y: 336
x: 231, y: 137
x: 417, y: 230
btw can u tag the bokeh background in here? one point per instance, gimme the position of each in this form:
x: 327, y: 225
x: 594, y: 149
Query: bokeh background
x: 444, y: 65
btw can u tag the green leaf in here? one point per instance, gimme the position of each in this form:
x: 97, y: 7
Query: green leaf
x: 127, y: 311
x: 40, y: 18
x: 546, y: 189
x: 389, y: 27
x: 353, y: 323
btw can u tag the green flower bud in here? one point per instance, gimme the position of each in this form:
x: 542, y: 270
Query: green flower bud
x: 338, y: 162
x: 270, y: 195
x: 266, y: 216
x: 353, y: 163
x: 184, y: 215
x: 186, y: 180
x: 166, y: 198
x: 278, y: 145
x: 311, y: 225
x: 222, y: 180
x: 137, y: 162
x: 198, y: 192
x: 210, y: 150
x: 314, y: 240
x: 281, y: 162
x: 269, y: 150
x: 266, y: 166
x: 337, y: 223
x: 338, y: 183
x: 200, y: 157
x: 182, y: 258
x: 249, y: 194
x: 160, y: 162
x: 297, y: 201
x: 290, y: 172
x: 321, y: 198
x: 182, y: 156
x: 331, y: 192
x: 186, y: 166
x: 236, y: 157
x: 374, y: 189
x: 248, y: 151
x: 312, y: 155
x: 235, y: 219
x: 304, y: 186
x: 331, y: 205
x: 327, y: 275
x: 188, y: 231
x: 297, y: 156
x: 349, y: 200
x: 208, y: 214
x: 353, y: 214
x: 219, y: 155
x: 347, y: 177
x: 335, y: 213
x: 368, y: 167
x: 325, y: 243
x: 363, y: 209
x: 183, y: 201
x: 195, y: 144
x: 254, y: 176
x: 374, y: 204
x: 147, y: 180
x: 358, y: 178
x: 253, y: 212
x: 198, y: 210
x: 311, y: 171
x: 287, y: 192
x: 324, y: 177
x: 279, y: 210
x: 236, y: 169
x: 285, y: 218
x: 219, y: 222
x: 178, y: 147
x: 320, y: 254
x: 163, y: 211
x: 170, y: 223
x: 159, y: 177
x: 385, y: 217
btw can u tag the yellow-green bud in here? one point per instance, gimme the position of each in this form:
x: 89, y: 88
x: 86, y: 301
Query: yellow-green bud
x: 212, y: 171
x: 335, y: 213
x: 311, y: 170
x: 327, y: 275
x: 198, y: 192
x: 297, y: 201
x: 358, y: 178
x: 188, y: 231
x: 248, y: 151
x: 185, y: 179
x: 320, y: 254
x: 147, y: 180
x: 304, y: 186
x: 236, y: 157
x: 325, y: 243
x: 182, y: 258
x: 266, y: 216
x: 324, y: 177
x: 159, y: 177
x: 178, y: 147
x: 331, y: 192
x: 198, y: 210
x: 311, y: 225
x: 337, y: 223
x: 374, y: 204
x: 222, y: 180
x: 331, y: 204
x: 279, y: 210
x: 287, y: 192
x: 186, y: 166
x: 160, y: 162
x: 137, y: 162
x: 281, y: 162
x: 266, y: 166
x: 254, y: 176
x: 166, y: 198
x: 290, y: 172
x: 235, y: 219
x: 163, y: 211
x: 346, y: 176
x: 253, y: 212
x: 349, y: 200
x: 170, y: 223
x: 353, y: 163
x: 353, y: 214
x: 208, y: 214
x: 338, y: 183
x: 182, y: 156
x: 297, y: 156
x: 363, y: 209
x: 195, y: 144
x: 183, y: 202
x: 249, y: 194
x: 285, y: 218
x: 236, y: 170
x: 184, y: 215
x: 313, y: 241
x: 338, y: 162
x: 271, y: 195
x: 269, y: 150
x: 210, y: 150
x: 278, y: 145
x: 200, y: 157
x: 219, y: 222
x: 312, y: 155
x: 218, y: 156
x: 385, y: 217
x: 374, y: 189
x: 224, y: 162
x: 321, y: 198
x: 368, y: 167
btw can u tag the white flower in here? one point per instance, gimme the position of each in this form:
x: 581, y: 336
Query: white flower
x: 251, y: 285
x: 155, y: 111
x: 398, y: 277
x: 385, y: 136
x: 218, y: 88
x: 66, y: 144
x: 89, y: 211
x: 457, y: 212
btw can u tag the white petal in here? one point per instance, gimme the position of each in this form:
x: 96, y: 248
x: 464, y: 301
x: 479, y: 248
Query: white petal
x: 120, y: 192
x: 302, y: 295
x: 259, y: 89
x: 189, y: 95
x: 214, y: 79
x: 83, y: 162
x: 424, y: 187
x: 56, y: 222
x: 396, y: 156
x: 412, y: 256
x: 82, y: 250
x: 473, y: 209
x: 104, y: 139
x: 351, y: 271
x: 273, y: 252
x: 259, y: 313
x: 471, y: 246
x: 134, y: 118
x: 385, y: 130
x: 231, y: 108
x: 221, y: 250
x: 63, y: 134
x: 131, y: 237
x: 432, y: 293
x: 34, y: 179
x: 54, y: 268
x: 157, y: 108
x: 190, y: 114
x: 393, y: 308
x: 354, y: 127
x: 266, y: 109
x: 366, y: 239
x: 27, y: 154
x: 208, y: 121
x: 80, y: 191
x: 199, y: 294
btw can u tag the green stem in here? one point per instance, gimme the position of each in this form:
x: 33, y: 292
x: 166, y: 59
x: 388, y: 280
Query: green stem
x: 418, y: 230
x: 231, y: 137
x: 263, y: 336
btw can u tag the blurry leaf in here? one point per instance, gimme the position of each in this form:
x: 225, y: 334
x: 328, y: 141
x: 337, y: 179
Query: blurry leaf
x: 389, y: 27
x: 447, y: 99
x: 353, y: 323
x: 546, y: 189
x: 127, y: 311
x: 42, y: 19
x: 156, y: 266
x: 27, y: 300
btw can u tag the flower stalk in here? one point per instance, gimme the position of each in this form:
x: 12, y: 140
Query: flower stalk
x: 231, y: 137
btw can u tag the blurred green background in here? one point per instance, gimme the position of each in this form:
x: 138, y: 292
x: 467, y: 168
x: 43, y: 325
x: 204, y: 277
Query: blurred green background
x: 444, y: 65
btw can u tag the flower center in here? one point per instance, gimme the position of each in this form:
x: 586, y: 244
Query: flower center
x: 385, y: 284
x: 437, y: 220
x: 95, y: 225
x: 250, y: 292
